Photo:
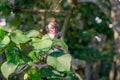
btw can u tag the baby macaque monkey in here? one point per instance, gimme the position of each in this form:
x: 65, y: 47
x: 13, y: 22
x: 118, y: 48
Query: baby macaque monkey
x: 52, y: 29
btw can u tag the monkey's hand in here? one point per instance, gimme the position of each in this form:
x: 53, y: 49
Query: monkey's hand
x: 58, y: 35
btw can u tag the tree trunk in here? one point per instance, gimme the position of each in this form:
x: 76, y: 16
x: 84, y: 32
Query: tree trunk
x: 112, y: 72
x: 115, y: 15
x: 96, y: 69
x: 88, y: 72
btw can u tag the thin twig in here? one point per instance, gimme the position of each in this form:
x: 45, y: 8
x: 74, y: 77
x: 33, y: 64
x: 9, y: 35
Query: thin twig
x: 40, y: 65
x: 22, y: 70
x: 58, y: 4
x: 78, y: 75
x: 26, y: 67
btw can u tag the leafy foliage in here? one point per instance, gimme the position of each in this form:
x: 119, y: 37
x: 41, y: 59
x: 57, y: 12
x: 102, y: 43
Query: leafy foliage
x: 16, y: 60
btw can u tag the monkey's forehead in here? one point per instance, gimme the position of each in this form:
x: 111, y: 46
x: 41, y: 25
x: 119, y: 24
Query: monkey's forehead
x: 51, y: 25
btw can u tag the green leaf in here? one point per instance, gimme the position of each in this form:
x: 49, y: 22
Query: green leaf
x: 32, y: 33
x: 2, y: 34
x: 60, y: 43
x: 12, y: 54
x: 4, y: 42
x: 36, y: 39
x: 74, y: 78
x: 18, y: 37
x: 45, y: 37
x: 7, y: 28
x: 34, y: 55
x: 7, y: 69
x: 46, y: 72
x: 24, y: 58
x: 59, y: 61
x: 43, y: 44
x: 34, y: 75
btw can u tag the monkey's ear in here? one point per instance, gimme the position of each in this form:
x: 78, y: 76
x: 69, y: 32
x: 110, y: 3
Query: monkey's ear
x: 57, y: 28
x: 46, y: 29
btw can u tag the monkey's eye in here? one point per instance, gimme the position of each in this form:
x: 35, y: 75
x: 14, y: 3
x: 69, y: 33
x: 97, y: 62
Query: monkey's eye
x: 52, y: 27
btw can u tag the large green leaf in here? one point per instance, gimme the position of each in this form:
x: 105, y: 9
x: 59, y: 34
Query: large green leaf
x: 7, y: 69
x: 32, y: 33
x: 18, y: 37
x: 59, y: 61
x: 43, y: 44
x: 4, y: 42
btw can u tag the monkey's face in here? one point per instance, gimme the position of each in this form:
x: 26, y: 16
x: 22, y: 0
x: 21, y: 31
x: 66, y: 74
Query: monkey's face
x: 51, y: 28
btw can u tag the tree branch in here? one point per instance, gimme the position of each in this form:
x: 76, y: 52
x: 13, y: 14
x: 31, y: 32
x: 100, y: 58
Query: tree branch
x: 68, y: 16
x: 36, y: 10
